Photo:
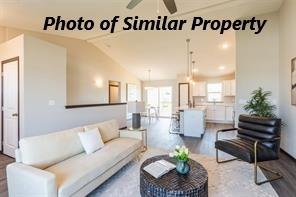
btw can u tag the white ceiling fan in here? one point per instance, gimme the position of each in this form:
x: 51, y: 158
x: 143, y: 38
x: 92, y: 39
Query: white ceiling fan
x: 170, y: 5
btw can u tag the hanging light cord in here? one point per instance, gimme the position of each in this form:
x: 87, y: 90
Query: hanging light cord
x: 157, y: 7
x: 188, y: 58
x: 191, y: 66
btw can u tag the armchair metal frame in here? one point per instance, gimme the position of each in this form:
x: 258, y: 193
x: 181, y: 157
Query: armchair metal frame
x: 277, y: 175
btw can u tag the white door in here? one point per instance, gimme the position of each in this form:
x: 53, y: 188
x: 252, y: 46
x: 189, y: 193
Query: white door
x: 10, y: 107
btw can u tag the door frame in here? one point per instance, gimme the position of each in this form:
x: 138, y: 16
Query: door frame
x: 2, y: 97
x: 188, y: 86
x: 116, y: 84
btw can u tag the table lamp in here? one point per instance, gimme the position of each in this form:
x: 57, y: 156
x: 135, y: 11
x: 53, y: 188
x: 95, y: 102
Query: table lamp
x: 136, y: 108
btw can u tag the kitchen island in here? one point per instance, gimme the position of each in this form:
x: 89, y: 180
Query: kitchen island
x: 193, y: 121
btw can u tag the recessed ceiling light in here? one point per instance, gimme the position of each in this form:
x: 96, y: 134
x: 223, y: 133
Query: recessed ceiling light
x: 221, y: 67
x: 225, y: 46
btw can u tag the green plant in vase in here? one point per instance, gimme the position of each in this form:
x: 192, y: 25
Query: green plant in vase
x: 259, y: 104
x: 181, y: 154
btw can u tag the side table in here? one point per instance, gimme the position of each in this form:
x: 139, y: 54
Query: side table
x: 144, y: 136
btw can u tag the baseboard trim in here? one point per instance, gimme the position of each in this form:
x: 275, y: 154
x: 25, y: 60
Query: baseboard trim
x: 288, y: 154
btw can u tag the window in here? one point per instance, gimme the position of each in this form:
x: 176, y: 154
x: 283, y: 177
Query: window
x: 214, y: 92
x: 131, y: 92
x: 161, y: 99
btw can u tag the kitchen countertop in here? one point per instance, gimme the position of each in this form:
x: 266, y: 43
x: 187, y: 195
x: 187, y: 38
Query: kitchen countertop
x: 218, y: 104
x: 198, y: 108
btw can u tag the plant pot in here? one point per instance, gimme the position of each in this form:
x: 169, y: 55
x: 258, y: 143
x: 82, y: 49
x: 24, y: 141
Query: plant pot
x: 182, y: 167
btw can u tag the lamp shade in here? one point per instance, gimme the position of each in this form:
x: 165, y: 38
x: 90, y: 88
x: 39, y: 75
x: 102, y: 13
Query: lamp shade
x: 136, y: 107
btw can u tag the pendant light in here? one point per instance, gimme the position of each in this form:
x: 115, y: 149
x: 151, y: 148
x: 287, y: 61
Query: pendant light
x: 193, y: 71
x: 190, y: 68
x: 188, y: 60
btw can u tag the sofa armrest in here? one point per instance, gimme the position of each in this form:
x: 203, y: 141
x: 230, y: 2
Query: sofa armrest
x: 25, y: 180
x: 18, y: 155
x: 132, y: 134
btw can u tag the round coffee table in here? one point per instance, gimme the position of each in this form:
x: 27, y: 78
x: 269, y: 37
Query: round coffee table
x: 195, y: 183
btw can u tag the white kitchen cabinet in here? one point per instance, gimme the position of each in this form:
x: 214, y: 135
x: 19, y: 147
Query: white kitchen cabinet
x: 220, y: 112
x: 229, y: 88
x: 193, y: 122
x: 199, y: 89
x: 226, y: 88
x: 229, y: 113
x: 216, y: 112
x: 210, y: 112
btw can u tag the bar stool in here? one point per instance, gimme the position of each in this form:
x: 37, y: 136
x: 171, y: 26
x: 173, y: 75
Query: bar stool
x: 175, y: 123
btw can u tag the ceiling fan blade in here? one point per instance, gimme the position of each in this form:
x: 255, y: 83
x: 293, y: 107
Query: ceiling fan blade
x: 171, y: 6
x: 133, y: 3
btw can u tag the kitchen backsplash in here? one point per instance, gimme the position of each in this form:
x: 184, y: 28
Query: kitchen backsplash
x: 229, y: 99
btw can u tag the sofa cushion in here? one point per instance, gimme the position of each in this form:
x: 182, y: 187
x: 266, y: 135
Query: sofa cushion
x: 91, y: 140
x: 109, y: 129
x: 46, y: 150
x: 74, y: 173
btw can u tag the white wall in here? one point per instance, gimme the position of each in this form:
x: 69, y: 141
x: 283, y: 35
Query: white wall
x: 257, y: 61
x: 265, y: 60
x: 287, y: 52
x: 8, y: 50
x: 86, y: 65
x: 43, y: 78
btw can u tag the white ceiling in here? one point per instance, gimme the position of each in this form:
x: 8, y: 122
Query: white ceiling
x: 162, y: 52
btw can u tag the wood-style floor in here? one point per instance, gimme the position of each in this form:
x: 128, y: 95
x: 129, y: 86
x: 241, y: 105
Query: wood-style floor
x: 158, y: 136
x: 4, y: 161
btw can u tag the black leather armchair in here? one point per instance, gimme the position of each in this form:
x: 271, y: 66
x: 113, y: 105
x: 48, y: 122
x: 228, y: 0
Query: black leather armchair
x: 258, y: 140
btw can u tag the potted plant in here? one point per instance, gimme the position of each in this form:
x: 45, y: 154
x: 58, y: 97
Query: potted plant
x: 259, y: 104
x: 181, y: 154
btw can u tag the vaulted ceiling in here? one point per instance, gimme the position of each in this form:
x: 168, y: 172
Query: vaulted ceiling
x: 164, y: 52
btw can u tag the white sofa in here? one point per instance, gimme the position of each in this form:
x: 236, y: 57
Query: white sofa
x: 55, y: 164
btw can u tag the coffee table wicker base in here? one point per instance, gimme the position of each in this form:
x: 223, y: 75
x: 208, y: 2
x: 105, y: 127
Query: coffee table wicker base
x: 195, y: 184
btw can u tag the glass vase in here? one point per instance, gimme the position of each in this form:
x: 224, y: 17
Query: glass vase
x: 182, y: 167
